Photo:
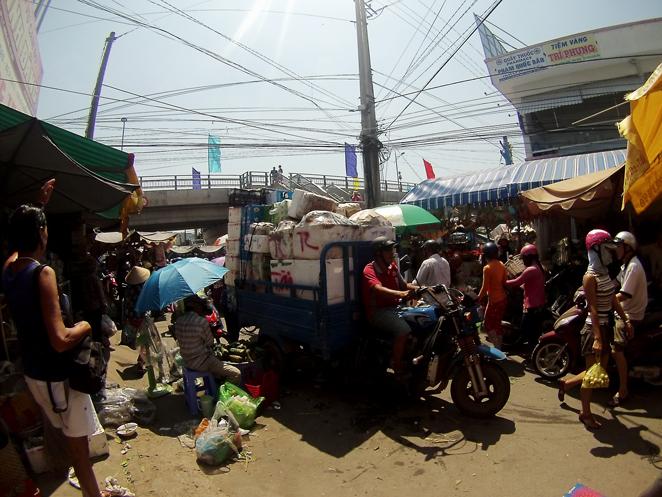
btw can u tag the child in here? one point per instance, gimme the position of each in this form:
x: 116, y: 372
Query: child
x: 493, y: 291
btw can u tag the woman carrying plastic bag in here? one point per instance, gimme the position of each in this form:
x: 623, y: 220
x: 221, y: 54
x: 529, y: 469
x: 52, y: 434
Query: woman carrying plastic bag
x: 597, y: 334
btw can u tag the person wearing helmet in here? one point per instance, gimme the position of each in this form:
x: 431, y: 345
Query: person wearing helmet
x: 383, y: 287
x: 532, y: 281
x: 492, y: 293
x: 633, y: 296
x: 434, y: 270
x: 597, y: 333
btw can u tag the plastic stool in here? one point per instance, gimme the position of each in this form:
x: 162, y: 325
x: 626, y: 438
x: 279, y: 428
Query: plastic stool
x: 191, y: 388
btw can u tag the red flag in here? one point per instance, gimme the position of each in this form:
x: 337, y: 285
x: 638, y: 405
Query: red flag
x: 429, y: 172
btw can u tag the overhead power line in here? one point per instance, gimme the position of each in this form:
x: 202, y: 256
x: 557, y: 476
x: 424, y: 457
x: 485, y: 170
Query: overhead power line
x: 492, y: 8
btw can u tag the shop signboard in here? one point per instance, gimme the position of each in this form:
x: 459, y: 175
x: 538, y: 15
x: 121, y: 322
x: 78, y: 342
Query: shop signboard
x: 539, y: 57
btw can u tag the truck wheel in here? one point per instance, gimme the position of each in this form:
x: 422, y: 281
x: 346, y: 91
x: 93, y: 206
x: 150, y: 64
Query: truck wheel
x: 273, y: 355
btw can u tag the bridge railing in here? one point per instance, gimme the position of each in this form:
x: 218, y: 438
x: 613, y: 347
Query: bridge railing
x: 259, y: 179
x: 186, y: 182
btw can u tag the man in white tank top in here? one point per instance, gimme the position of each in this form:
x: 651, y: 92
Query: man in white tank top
x: 633, y: 297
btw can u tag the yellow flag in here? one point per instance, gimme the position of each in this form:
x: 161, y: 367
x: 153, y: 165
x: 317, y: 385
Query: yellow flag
x: 356, y: 184
x: 643, y: 131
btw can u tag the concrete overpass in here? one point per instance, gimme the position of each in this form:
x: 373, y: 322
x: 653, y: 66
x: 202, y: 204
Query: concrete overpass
x: 184, y: 202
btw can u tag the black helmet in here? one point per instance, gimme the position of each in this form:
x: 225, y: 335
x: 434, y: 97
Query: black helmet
x: 431, y: 245
x: 382, y: 243
x: 490, y: 250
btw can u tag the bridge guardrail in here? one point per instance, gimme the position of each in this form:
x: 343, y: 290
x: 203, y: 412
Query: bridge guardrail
x: 260, y: 179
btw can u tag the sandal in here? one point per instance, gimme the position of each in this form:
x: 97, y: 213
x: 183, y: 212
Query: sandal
x: 617, y: 400
x: 561, y: 392
x: 590, y: 422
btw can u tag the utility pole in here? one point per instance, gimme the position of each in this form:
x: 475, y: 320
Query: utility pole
x: 91, y: 120
x: 506, y: 151
x: 370, y: 144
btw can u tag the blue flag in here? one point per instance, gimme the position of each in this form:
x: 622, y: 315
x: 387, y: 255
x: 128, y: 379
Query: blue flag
x: 214, y: 154
x: 196, y: 182
x: 350, y: 161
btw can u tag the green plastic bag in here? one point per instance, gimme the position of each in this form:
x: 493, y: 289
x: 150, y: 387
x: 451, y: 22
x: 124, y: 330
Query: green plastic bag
x: 242, y: 406
x: 596, y: 377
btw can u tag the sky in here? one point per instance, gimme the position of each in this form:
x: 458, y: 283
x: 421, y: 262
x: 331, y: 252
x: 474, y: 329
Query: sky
x: 277, y: 80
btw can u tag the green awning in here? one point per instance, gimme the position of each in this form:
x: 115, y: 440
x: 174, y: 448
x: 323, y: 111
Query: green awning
x: 109, y: 163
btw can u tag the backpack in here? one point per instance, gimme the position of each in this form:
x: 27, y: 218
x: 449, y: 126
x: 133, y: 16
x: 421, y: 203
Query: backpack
x: 89, y: 359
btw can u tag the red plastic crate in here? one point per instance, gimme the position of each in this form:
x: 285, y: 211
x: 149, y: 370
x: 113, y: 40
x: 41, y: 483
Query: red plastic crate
x: 263, y: 384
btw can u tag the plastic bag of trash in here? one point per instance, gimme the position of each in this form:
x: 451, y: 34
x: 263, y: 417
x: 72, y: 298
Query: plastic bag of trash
x: 596, y: 377
x: 242, y: 406
x: 215, y: 445
x: 113, y: 407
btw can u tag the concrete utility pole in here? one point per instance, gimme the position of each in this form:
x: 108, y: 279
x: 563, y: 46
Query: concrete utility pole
x: 397, y: 170
x: 91, y: 120
x: 506, y: 151
x: 370, y: 144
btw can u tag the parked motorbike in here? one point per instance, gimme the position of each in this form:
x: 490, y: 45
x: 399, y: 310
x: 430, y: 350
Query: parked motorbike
x: 558, y: 350
x: 445, y: 348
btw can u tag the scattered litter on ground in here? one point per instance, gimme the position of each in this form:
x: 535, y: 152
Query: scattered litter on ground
x: 115, y: 489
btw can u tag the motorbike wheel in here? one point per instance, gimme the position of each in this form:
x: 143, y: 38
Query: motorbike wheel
x: 551, y: 359
x: 498, y: 391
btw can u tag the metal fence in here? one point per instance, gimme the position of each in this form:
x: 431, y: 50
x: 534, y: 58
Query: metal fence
x: 258, y: 179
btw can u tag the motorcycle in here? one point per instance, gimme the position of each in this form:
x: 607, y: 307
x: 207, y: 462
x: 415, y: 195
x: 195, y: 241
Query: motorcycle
x: 557, y: 293
x: 445, y: 348
x: 558, y: 350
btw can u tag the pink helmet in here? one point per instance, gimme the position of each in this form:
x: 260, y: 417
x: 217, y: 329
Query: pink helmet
x: 528, y: 249
x: 596, y: 237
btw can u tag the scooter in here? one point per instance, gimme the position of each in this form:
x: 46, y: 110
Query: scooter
x: 445, y: 348
x: 558, y: 350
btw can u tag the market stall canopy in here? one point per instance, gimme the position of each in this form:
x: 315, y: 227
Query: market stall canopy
x: 28, y: 158
x: 643, y: 131
x: 182, y: 249
x: 209, y: 249
x: 49, y: 150
x: 407, y: 218
x: 111, y: 238
x: 157, y: 236
x: 505, y: 182
x: 582, y: 197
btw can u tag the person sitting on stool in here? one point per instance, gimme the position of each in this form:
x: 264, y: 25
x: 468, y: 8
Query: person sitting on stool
x: 196, y: 343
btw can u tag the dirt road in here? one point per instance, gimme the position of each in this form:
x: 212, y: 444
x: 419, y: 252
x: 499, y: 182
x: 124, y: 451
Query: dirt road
x: 324, y: 441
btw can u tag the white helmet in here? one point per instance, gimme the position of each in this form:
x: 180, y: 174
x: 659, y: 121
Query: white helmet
x: 628, y: 239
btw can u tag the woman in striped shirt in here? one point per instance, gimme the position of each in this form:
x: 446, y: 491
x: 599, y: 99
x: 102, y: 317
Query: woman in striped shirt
x: 597, y: 334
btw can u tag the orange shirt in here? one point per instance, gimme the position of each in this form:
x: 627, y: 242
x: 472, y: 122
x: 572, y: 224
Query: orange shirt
x: 494, y: 281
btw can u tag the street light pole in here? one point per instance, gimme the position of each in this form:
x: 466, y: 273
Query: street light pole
x: 124, y: 119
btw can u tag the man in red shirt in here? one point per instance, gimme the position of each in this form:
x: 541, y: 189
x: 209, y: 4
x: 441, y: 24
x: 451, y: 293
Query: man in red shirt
x: 382, y: 289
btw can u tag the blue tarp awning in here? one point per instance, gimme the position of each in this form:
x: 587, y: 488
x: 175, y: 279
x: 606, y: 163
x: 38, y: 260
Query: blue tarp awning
x: 506, y: 182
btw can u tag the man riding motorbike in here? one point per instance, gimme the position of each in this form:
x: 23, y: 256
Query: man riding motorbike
x: 383, y: 287
x: 633, y: 297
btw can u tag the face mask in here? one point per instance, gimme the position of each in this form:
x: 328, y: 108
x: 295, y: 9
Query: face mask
x: 607, y: 255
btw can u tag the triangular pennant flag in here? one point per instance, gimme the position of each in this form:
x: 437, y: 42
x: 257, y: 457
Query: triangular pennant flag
x: 429, y: 172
